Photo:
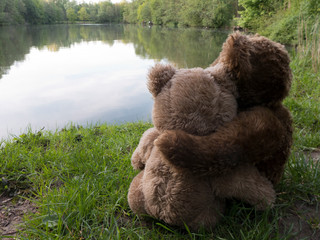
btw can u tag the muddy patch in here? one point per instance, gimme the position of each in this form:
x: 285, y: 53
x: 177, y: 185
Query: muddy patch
x: 302, y: 220
x: 12, y: 211
x: 315, y: 155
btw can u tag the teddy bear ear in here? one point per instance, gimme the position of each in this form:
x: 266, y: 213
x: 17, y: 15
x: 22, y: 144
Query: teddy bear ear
x: 236, y: 54
x: 158, y: 76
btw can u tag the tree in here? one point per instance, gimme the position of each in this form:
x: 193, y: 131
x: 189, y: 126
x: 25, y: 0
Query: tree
x: 171, y: 11
x: 130, y: 14
x: 219, y: 13
x: 11, y: 12
x: 190, y: 13
x: 34, y: 11
x: 105, y: 12
x: 83, y: 14
x: 254, y: 9
x: 108, y: 12
x: 157, y: 11
x: 93, y: 12
x: 71, y: 15
x: 144, y: 12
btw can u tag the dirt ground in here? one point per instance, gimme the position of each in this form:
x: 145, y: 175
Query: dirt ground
x: 302, y: 221
x: 303, y: 218
x: 11, y: 215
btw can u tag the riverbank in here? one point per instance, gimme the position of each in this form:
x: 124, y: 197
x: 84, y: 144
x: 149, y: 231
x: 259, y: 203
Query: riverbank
x: 73, y: 183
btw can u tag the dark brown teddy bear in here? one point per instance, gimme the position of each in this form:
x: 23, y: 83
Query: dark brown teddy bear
x: 261, y: 134
x: 190, y: 100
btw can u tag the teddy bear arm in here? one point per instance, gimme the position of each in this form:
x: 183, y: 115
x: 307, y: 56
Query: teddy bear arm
x: 273, y: 166
x: 143, y: 151
x: 245, y: 183
x: 201, y: 155
x: 250, y: 137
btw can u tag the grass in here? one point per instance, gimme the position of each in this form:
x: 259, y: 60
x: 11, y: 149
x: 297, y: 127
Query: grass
x: 304, y: 99
x: 79, y: 177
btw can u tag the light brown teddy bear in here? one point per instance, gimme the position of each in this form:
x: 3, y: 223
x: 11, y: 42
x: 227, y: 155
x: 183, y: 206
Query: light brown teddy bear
x: 190, y: 100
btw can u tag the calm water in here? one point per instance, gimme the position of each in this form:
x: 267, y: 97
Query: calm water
x: 53, y: 75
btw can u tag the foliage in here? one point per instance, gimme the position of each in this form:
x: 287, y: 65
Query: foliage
x: 108, y: 12
x: 278, y: 19
x: 144, y: 12
x: 274, y: 18
x: 71, y: 15
x: 255, y: 9
x: 55, y: 11
x: 206, y: 13
x: 83, y: 14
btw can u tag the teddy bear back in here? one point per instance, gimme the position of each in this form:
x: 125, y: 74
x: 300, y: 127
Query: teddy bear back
x: 259, y: 67
x: 189, y: 100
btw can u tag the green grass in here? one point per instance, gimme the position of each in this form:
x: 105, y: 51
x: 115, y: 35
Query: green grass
x: 79, y: 177
x: 304, y: 98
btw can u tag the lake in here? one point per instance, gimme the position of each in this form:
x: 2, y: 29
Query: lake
x: 51, y: 76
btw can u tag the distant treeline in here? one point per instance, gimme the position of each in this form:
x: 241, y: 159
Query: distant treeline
x: 206, y: 13
x: 56, y: 11
x: 278, y: 19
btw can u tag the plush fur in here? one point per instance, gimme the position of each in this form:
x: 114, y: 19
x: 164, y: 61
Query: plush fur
x: 192, y: 101
x: 261, y: 133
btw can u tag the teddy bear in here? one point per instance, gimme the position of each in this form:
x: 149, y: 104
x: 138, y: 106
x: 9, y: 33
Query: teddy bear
x: 190, y: 100
x: 261, y: 133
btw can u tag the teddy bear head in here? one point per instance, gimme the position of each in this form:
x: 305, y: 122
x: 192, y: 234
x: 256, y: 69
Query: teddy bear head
x: 189, y: 100
x: 258, y: 66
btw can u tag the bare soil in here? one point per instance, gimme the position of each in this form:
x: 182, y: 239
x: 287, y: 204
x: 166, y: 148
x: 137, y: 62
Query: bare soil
x: 315, y: 155
x: 11, y: 215
x: 304, y: 221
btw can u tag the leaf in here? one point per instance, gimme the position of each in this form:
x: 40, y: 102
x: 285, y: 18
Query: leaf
x: 50, y: 220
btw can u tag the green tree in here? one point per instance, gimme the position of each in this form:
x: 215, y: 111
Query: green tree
x: 130, y: 13
x: 190, y: 14
x: 93, y: 12
x: 157, y: 11
x: 50, y: 12
x: 144, y: 12
x: 106, y: 12
x: 218, y: 13
x: 171, y: 11
x: 12, y: 12
x: 71, y: 15
x: 253, y: 10
x: 83, y: 14
x: 34, y: 11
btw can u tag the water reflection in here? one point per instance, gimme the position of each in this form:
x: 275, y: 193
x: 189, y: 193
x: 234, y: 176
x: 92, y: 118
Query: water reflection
x: 51, y: 75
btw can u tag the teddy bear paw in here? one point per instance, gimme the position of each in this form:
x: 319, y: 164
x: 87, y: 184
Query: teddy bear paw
x: 267, y: 202
x: 137, y: 162
x: 172, y: 147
